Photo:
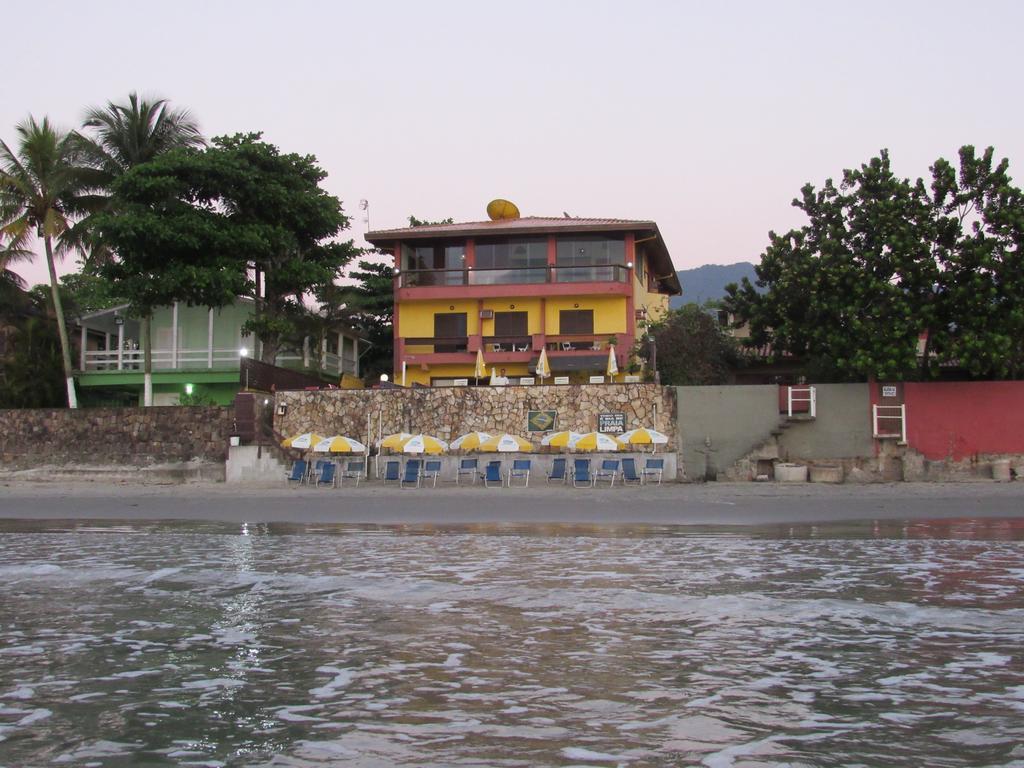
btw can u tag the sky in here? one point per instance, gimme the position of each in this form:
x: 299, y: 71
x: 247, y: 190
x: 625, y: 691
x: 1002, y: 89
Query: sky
x: 705, y: 117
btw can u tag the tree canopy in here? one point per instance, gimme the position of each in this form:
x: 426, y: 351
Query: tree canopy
x: 890, y: 275
x: 238, y: 218
x: 692, y: 348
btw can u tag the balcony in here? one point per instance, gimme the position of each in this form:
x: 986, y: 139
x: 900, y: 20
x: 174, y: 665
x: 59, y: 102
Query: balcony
x: 432, y: 278
x: 576, y: 351
x: 206, y: 358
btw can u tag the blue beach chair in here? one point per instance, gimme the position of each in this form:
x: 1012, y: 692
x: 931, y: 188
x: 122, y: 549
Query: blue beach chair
x: 328, y: 474
x: 629, y: 473
x: 557, y: 470
x: 653, y: 468
x: 413, y: 473
x: 609, y: 469
x: 432, y: 471
x: 467, y: 467
x: 354, y: 470
x: 581, y: 473
x: 520, y: 469
x: 492, y: 474
x: 298, y: 473
x: 392, y: 472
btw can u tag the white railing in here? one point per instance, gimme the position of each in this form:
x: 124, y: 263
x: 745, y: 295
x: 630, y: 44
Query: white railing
x: 798, y: 395
x: 889, y: 414
x: 163, y: 359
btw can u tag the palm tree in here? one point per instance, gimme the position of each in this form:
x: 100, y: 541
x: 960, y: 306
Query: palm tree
x: 122, y: 136
x: 40, y: 188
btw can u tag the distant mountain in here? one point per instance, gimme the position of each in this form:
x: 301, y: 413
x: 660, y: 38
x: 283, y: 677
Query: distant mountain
x: 709, y: 281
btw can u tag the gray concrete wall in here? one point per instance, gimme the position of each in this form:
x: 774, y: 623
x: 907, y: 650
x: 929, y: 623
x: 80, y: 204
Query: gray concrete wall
x: 735, y: 418
x: 841, y: 430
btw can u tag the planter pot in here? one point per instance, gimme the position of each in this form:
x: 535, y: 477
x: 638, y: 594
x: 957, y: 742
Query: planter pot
x: 1001, y: 470
x: 234, y: 440
x: 791, y: 473
x: 826, y: 473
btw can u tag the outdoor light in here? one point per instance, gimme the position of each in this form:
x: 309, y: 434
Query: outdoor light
x: 243, y: 352
x: 266, y: 401
x: 188, y: 389
x: 629, y: 264
x: 383, y: 377
x: 118, y: 320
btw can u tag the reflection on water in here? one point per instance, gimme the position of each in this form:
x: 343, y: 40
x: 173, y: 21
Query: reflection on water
x: 215, y: 645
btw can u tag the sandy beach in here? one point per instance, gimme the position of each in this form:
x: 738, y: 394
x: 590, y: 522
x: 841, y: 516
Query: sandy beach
x: 674, y: 504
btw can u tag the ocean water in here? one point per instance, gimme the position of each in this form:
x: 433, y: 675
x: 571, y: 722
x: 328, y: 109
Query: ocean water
x: 157, y: 644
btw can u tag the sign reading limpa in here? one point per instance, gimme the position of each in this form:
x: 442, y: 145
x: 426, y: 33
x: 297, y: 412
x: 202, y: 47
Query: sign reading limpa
x: 613, y: 423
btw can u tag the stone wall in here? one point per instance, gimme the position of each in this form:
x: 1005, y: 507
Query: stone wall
x: 448, y: 412
x: 113, y: 436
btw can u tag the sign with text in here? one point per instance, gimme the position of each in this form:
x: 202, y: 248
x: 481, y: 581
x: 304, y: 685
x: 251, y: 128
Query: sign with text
x: 613, y: 423
x: 888, y: 391
x: 540, y: 421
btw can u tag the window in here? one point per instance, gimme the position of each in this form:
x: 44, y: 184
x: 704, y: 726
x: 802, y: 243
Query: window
x: 500, y: 262
x: 572, y: 322
x: 585, y: 258
x: 511, y: 323
x: 450, y: 325
x: 443, y: 264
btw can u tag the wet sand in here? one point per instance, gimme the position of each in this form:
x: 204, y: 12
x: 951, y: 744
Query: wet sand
x: 670, y: 504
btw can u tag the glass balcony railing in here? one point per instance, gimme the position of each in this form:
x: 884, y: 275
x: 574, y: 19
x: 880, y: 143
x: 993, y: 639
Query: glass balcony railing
x: 605, y: 273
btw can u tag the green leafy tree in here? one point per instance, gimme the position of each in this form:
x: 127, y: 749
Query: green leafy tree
x: 884, y: 264
x: 120, y: 137
x: 238, y: 218
x: 414, y: 222
x: 368, y: 306
x: 41, y: 193
x: 30, y: 354
x: 692, y: 348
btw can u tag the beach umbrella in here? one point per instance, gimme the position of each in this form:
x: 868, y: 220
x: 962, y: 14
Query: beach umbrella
x: 481, y: 367
x: 613, y: 366
x: 424, y: 444
x: 643, y: 436
x: 560, y: 439
x: 469, y: 441
x: 506, y: 444
x: 339, y: 444
x: 302, y: 442
x: 543, y: 369
x: 595, y: 441
x: 393, y: 442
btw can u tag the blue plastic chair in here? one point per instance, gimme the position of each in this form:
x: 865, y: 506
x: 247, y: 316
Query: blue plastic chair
x: 629, y: 473
x: 581, y: 473
x: 520, y: 469
x: 609, y: 469
x: 413, y: 473
x: 432, y: 470
x: 492, y: 474
x: 354, y: 470
x: 298, y: 473
x: 653, y: 468
x: 557, y: 470
x: 327, y: 474
x: 392, y: 472
x: 467, y: 467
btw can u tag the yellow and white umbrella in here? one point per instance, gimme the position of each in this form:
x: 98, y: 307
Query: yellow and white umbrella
x: 595, y: 441
x: 480, y: 372
x: 506, y: 444
x: 393, y: 442
x: 302, y: 442
x: 424, y: 444
x: 339, y: 444
x: 643, y: 436
x: 469, y: 442
x: 542, y: 368
x: 560, y: 439
x: 613, y: 366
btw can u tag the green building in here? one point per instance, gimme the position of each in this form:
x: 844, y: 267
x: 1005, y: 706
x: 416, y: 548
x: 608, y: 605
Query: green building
x: 196, y: 351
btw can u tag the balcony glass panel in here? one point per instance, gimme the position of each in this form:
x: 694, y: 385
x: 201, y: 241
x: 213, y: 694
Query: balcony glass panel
x: 590, y: 258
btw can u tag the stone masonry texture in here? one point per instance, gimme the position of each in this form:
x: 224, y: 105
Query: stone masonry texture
x: 448, y: 412
x: 113, y: 436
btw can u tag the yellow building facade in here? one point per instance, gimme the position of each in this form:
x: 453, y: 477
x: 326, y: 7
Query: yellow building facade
x: 508, y: 289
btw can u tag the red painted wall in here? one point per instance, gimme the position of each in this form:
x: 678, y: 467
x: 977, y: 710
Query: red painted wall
x: 958, y: 419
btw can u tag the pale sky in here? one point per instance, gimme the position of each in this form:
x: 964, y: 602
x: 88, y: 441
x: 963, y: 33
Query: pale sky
x: 705, y: 117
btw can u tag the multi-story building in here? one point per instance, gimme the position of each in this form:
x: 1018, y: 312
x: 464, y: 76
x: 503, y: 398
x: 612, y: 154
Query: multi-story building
x: 196, y: 350
x: 514, y: 287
